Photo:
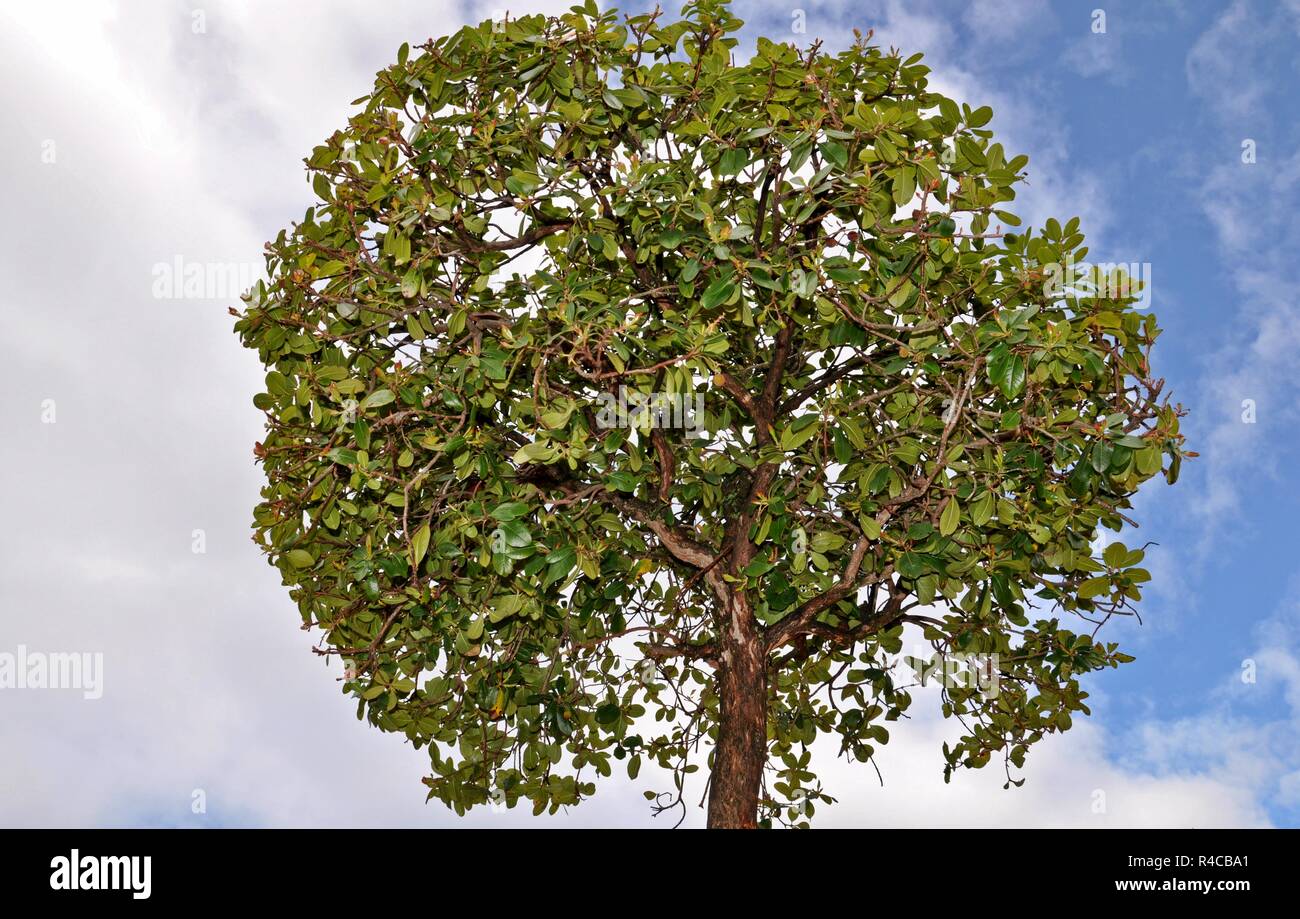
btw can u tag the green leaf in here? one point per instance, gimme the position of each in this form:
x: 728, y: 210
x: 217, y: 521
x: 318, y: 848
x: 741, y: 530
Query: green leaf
x: 516, y: 533
x: 732, y: 161
x: 671, y: 238
x: 840, y: 444
x: 558, y: 418
x: 300, y: 558
x: 904, y: 185
x: 950, y: 517
x: 376, y: 399
x: 419, y: 545
x: 1006, y: 370
x: 1101, y: 455
x: 911, y: 565
x: 510, y: 510
x: 836, y: 153
x: 622, y: 481
x: 902, y: 292
x: 799, y: 433
x: 536, y: 452
x: 410, y: 283
x: 506, y: 606
x: 277, y: 384
x: 1149, y: 460
x: 719, y: 292
x: 1093, y: 587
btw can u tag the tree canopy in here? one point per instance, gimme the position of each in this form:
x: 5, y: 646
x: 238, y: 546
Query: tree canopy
x: 893, y: 414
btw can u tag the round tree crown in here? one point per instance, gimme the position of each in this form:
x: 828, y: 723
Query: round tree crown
x: 605, y: 358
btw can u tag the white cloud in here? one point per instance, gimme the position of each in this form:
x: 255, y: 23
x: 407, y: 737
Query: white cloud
x: 1007, y: 24
x: 1228, y: 68
x: 1071, y: 781
x: 1099, y: 54
x: 1222, y: 64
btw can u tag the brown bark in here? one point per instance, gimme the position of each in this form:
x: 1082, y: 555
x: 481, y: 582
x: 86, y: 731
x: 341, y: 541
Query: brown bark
x: 741, y: 749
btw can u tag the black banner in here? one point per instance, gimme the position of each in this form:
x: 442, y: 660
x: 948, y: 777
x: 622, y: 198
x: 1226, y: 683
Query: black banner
x: 387, y: 868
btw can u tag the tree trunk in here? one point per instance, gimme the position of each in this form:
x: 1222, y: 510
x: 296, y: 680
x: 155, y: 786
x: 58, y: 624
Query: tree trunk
x: 741, y: 750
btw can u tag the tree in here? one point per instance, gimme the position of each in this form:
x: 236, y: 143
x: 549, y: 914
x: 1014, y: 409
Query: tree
x: 628, y: 403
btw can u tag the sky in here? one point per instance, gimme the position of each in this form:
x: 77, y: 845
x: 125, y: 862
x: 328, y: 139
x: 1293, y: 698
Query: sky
x: 143, y: 136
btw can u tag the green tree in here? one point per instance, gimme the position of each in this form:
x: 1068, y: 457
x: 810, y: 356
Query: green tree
x: 909, y: 422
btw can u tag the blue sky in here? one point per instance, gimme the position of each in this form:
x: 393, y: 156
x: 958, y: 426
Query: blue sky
x: 174, y: 141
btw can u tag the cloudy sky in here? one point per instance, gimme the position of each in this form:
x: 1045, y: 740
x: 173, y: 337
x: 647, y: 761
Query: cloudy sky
x: 146, y: 133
